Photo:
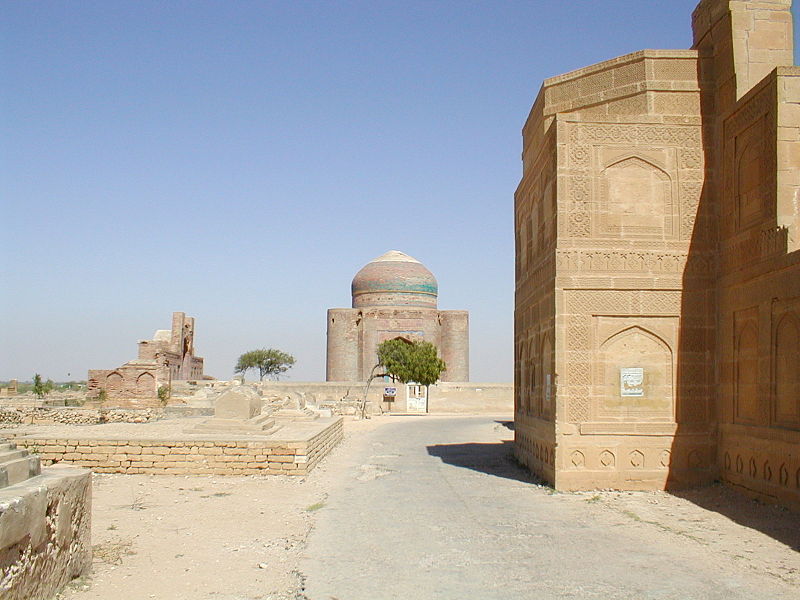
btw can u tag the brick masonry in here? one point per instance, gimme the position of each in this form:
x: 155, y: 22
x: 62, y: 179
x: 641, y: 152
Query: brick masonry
x: 191, y: 456
x: 394, y: 296
x: 168, y: 357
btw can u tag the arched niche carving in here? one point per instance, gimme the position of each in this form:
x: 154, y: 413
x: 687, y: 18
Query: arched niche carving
x: 637, y: 375
x: 530, y: 380
x: 750, y: 173
x: 534, y: 224
x: 547, y: 377
x: 636, y: 200
x: 746, y: 373
x: 518, y: 376
x: 114, y: 381
x: 786, y: 375
x: 145, y: 385
x: 523, y: 240
x: 523, y: 378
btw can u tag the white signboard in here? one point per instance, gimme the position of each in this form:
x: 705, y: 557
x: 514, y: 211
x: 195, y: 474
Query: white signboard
x: 631, y: 381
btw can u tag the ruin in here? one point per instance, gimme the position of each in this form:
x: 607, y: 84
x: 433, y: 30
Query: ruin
x: 45, y: 525
x: 394, y: 296
x: 168, y: 357
x: 657, y: 316
x: 11, y: 389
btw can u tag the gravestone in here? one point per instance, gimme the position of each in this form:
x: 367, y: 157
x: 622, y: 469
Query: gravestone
x: 238, y: 409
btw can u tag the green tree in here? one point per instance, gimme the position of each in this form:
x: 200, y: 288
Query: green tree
x: 38, y: 386
x: 394, y: 357
x: 407, y: 362
x: 269, y: 362
x: 416, y: 362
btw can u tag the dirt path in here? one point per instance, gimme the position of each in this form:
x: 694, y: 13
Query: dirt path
x: 436, y: 508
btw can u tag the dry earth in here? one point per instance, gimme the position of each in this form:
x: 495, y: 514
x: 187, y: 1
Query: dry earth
x: 192, y: 537
x: 242, y: 538
x: 759, y: 538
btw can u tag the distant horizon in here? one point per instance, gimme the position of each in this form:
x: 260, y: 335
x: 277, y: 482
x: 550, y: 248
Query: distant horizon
x: 241, y: 162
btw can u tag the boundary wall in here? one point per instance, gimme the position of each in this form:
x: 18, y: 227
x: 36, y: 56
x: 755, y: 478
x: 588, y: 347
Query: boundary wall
x: 234, y: 455
x: 444, y: 397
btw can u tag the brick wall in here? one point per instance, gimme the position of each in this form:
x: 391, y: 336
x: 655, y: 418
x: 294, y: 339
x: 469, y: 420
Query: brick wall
x: 189, y: 457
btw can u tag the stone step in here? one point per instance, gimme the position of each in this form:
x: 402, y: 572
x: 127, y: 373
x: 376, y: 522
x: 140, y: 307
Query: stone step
x: 19, y: 470
x: 7, y: 446
x: 9, y: 455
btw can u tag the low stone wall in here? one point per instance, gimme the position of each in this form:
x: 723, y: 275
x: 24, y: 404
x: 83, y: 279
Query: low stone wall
x: 444, y: 398
x: 39, y: 415
x: 471, y: 398
x: 294, y: 450
x: 45, y: 533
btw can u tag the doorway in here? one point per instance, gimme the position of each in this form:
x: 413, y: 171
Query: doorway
x: 416, y: 398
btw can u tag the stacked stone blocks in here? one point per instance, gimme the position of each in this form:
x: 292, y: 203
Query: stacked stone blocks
x: 191, y: 457
x: 45, y: 525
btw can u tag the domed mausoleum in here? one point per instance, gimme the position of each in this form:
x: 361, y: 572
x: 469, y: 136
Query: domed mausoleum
x: 394, y: 295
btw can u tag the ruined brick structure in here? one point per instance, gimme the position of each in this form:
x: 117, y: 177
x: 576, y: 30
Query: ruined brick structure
x: 168, y: 357
x: 394, y: 296
x: 657, y: 317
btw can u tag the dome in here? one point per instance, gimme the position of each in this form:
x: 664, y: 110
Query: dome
x: 394, y: 279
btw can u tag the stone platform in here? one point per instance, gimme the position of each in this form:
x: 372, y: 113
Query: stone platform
x: 45, y: 525
x: 163, y: 447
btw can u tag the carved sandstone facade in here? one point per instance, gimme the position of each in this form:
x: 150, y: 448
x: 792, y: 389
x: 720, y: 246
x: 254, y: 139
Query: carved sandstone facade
x: 657, y: 316
x: 394, y: 296
x: 168, y: 357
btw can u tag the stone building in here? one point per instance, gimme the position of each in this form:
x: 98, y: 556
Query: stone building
x: 657, y: 316
x: 168, y: 357
x: 394, y: 296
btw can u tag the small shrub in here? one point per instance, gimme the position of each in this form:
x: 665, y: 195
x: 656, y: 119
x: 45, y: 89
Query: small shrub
x: 163, y: 393
x: 102, y: 396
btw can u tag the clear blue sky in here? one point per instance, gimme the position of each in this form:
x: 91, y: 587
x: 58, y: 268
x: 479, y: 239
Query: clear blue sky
x: 240, y: 161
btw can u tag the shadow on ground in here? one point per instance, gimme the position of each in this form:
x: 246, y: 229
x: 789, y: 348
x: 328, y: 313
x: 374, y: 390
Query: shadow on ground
x: 775, y: 521
x: 494, y: 459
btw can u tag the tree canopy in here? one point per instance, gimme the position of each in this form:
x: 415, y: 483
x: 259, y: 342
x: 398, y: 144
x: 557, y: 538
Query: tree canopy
x: 406, y: 361
x: 269, y: 362
x: 41, y: 388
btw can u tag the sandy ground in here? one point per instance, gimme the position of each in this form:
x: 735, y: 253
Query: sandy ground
x: 199, y: 537
x: 243, y: 538
x: 758, y: 538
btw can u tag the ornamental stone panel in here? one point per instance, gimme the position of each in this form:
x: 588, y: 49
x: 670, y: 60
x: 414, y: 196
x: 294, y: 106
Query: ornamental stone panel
x: 657, y: 316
